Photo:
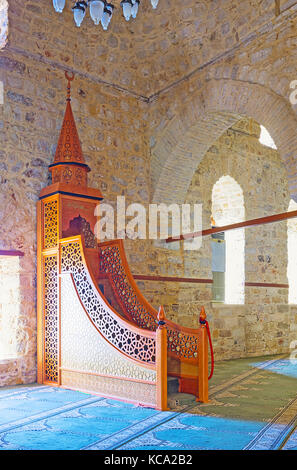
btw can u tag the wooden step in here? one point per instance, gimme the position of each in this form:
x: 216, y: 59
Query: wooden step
x: 180, y: 399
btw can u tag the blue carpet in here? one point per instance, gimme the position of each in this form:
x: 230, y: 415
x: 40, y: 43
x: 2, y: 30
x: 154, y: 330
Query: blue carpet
x: 283, y: 367
x: 54, y: 419
x: 188, y: 432
x: 48, y: 418
x: 291, y: 444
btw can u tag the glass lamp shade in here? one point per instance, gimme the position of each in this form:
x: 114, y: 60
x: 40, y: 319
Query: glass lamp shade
x: 106, y: 17
x: 59, y: 5
x: 96, y: 10
x: 134, y: 9
x: 127, y: 9
x: 154, y: 3
x: 79, y: 12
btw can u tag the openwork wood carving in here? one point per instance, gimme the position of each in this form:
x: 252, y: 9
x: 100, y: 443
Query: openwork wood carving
x: 139, y: 347
x: 181, y: 343
x: 51, y: 319
x: 111, y: 263
x: 84, y: 349
x: 50, y: 224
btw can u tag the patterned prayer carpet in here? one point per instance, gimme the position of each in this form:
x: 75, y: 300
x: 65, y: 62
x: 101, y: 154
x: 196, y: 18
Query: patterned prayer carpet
x: 253, y: 405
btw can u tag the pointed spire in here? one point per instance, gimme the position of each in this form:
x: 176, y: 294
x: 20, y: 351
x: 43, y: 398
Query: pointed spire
x: 69, y: 171
x: 69, y: 148
x: 69, y: 166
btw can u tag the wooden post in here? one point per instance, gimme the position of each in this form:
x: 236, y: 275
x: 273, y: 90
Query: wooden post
x: 40, y: 329
x: 202, y: 359
x: 161, y: 361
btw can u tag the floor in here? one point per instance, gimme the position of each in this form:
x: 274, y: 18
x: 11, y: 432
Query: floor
x: 253, y: 405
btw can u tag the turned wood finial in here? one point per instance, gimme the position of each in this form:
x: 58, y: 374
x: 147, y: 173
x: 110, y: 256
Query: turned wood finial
x: 161, y: 317
x: 202, y: 317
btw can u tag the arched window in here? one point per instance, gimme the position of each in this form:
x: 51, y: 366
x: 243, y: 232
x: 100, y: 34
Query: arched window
x: 292, y: 255
x: 228, y: 208
x: 266, y: 139
x: 3, y: 23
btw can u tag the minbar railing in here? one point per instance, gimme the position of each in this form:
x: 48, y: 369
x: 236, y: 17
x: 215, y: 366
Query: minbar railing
x: 183, y: 344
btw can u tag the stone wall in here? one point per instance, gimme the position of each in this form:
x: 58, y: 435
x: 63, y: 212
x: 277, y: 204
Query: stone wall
x: 149, y: 54
x: 265, y: 324
x: 251, y: 79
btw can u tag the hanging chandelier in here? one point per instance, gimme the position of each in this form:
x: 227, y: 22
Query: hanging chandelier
x: 100, y: 10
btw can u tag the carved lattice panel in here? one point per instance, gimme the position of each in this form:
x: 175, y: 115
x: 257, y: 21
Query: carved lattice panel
x: 111, y: 263
x: 83, y: 349
x: 136, y: 346
x: 181, y: 344
x: 51, y: 330
x: 50, y: 227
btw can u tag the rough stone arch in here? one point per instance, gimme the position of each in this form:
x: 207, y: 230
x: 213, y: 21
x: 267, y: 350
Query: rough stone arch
x: 183, y: 143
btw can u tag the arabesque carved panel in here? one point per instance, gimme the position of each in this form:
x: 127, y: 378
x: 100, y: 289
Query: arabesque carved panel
x: 50, y: 226
x: 51, y: 319
x: 84, y: 349
x: 136, y: 346
x: 111, y: 263
x: 180, y: 343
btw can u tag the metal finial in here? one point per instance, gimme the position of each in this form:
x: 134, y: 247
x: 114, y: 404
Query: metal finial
x: 161, y: 317
x: 69, y: 78
x: 202, y: 317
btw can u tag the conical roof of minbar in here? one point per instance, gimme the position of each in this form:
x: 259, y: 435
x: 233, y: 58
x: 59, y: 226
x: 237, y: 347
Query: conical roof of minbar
x: 69, y: 169
x: 69, y: 148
